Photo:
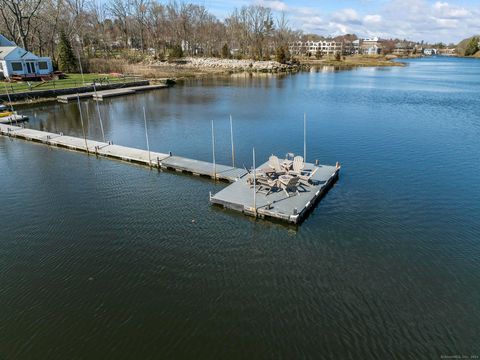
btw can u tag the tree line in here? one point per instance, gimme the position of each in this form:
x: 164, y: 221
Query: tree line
x: 97, y: 28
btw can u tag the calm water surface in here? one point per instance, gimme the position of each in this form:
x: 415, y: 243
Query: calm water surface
x: 101, y: 259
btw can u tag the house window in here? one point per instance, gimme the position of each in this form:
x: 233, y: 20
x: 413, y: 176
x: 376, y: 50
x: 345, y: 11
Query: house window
x: 17, y: 66
x: 43, y: 65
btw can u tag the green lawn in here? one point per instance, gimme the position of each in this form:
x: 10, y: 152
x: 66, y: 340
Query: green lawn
x: 71, y: 81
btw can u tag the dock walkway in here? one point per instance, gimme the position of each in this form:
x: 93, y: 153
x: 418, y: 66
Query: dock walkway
x: 154, y: 159
x: 103, y: 94
x: 237, y: 196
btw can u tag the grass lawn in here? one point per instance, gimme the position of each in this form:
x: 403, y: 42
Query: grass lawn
x: 71, y: 81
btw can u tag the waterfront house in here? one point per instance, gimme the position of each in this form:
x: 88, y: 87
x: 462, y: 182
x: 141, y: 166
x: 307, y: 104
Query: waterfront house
x: 429, y: 52
x: 20, y: 63
x: 370, y: 46
x: 447, y: 52
x: 404, y: 48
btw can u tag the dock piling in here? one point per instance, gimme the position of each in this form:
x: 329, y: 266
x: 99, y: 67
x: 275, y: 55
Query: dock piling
x: 98, y: 112
x: 81, y: 121
x: 213, y: 153
x: 10, y: 102
x: 81, y: 69
x: 254, y: 185
x: 231, y: 140
x: 305, y: 137
x: 146, y: 136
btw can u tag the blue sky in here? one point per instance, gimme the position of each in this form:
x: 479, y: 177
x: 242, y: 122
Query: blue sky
x: 433, y: 21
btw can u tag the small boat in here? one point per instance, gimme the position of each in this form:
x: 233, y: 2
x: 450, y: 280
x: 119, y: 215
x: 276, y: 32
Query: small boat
x: 7, y: 116
x: 4, y: 111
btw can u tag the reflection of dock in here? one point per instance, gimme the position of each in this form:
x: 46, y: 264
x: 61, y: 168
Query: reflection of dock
x: 238, y: 196
x: 102, y: 94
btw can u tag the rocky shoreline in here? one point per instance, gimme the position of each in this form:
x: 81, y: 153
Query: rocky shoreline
x: 226, y: 65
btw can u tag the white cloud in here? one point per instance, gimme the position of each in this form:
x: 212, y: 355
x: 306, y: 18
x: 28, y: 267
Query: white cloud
x: 275, y: 5
x: 349, y: 16
x: 372, y: 19
x: 446, y: 11
x: 411, y: 19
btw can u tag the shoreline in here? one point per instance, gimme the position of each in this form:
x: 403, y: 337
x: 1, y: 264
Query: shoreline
x: 198, y: 68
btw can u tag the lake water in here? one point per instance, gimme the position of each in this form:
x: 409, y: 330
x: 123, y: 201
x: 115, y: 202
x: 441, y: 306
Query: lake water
x: 101, y: 259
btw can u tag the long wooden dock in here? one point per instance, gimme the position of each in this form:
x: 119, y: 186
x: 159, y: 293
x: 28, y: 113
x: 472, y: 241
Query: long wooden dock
x: 153, y: 159
x: 103, y: 94
x: 237, y: 196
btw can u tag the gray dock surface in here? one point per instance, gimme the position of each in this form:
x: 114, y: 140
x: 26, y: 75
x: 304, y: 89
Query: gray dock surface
x: 123, y: 153
x: 103, y: 94
x: 239, y: 196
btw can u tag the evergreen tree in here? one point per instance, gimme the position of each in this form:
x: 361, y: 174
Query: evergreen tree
x: 66, y: 57
x: 225, y: 51
x: 281, y: 55
x: 175, y: 52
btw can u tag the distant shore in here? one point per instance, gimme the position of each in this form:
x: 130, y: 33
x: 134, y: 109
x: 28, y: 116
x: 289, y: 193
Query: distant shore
x: 207, y: 67
x: 192, y: 67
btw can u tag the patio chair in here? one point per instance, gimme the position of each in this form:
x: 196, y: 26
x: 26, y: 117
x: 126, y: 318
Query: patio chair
x: 291, y: 185
x: 274, y: 163
x: 298, y: 165
x: 266, y: 185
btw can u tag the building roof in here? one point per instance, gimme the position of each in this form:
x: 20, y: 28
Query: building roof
x: 5, y: 50
x: 5, y: 42
x: 16, y: 53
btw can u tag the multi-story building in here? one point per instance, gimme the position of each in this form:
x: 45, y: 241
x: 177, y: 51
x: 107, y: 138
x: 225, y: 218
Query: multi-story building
x: 404, y: 48
x: 370, y: 46
x: 311, y: 48
x: 447, y: 52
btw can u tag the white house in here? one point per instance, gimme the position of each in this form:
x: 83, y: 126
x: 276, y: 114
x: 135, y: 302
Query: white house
x: 371, y: 46
x: 17, y: 61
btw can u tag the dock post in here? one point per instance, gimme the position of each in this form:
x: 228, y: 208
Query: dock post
x: 81, y: 120
x: 231, y: 140
x: 254, y: 185
x: 146, y: 136
x: 80, y: 65
x: 10, y: 102
x: 213, y: 151
x: 98, y: 111
x: 304, y: 137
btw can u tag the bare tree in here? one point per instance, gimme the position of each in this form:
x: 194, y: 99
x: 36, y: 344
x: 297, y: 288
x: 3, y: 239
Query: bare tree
x: 18, y: 16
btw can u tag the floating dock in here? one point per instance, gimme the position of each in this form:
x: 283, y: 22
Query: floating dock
x: 123, y: 153
x: 103, y: 94
x: 238, y: 196
x: 277, y: 204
